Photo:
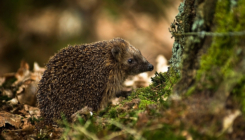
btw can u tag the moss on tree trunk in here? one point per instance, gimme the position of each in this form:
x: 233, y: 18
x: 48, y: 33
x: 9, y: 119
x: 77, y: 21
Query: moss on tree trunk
x: 212, y: 65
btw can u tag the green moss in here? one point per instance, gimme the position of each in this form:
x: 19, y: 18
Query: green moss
x: 159, y: 78
x: 239, y: 92
x: 218, y: 63
x: 162, y: 84
x: 221, y: 66
x: 103, y: 112
x: 113, y: 113
x: 190, y: 90
x: 144, y: 103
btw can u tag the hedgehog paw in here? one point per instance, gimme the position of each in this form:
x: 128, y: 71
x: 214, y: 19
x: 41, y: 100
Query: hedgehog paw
x: 84, y: 113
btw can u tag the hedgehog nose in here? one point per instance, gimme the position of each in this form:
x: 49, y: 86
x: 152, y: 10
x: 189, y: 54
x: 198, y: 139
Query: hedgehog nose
x: 150, y: 67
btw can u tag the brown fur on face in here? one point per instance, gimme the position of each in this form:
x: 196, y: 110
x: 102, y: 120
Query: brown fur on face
x: 87, y: 75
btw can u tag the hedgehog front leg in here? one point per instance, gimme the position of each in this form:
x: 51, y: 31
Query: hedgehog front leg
x: 123, y: 93
x: 85, y: 112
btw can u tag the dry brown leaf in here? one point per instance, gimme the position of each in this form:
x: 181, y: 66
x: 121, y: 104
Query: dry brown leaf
x: 27, y: 82
x: 228, y: 121
x: 8, y: 92
x: 12, y: 119
x: 34, y: 111
x: 142, y: 119
x: 27, y: 93
x: 27, y: 125
x: 37, y: 68
x: 22, y: 72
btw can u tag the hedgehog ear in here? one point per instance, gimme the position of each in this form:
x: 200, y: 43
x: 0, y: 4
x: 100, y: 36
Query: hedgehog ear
x: 116, y: 52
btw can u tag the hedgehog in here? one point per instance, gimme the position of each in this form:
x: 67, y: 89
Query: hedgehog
x: 87, y: 75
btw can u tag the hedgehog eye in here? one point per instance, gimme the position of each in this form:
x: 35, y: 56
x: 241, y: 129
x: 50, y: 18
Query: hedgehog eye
x: 130, y: 61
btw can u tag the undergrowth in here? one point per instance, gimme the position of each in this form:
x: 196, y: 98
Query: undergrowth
x: 136, y: 117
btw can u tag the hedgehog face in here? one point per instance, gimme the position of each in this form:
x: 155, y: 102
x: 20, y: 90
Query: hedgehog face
x: 134, y: 62
x: 131, y: 60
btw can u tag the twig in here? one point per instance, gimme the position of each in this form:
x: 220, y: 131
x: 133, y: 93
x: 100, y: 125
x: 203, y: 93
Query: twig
x: 88, y: 134
x: 112, y: 135
x: 133, y: 132
x: 154, y: 127
x: 204, y: 33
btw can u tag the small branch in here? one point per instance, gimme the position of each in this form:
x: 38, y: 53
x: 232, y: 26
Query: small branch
x: 112, y: 135
x: 88, y: 134
x: 204, y: 33
x: 133, y: 132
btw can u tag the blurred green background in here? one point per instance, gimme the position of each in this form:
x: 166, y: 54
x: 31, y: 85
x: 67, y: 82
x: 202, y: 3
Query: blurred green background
x: 34, y: 30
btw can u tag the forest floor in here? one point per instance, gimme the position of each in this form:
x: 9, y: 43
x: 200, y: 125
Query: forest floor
x: 148, y: 113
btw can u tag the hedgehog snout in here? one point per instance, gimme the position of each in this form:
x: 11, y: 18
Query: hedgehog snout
x: 150, y: 67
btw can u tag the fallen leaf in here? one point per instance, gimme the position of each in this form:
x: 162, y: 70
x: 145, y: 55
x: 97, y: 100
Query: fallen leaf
x: 22, y: 73
x: 228, y: 121
x: 12, y: 119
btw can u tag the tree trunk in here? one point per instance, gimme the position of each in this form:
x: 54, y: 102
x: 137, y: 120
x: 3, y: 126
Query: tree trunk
x: 209, y: 50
